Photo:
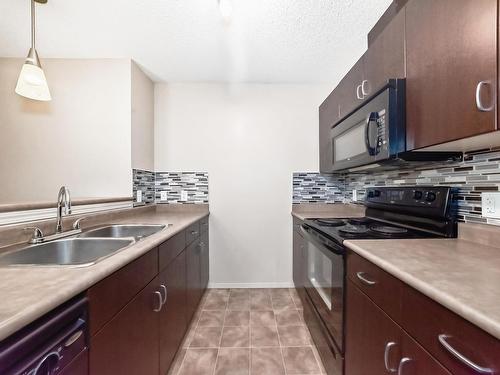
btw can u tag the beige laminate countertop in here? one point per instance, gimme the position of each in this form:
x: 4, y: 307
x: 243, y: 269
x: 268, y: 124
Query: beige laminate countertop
x: 28, y: 293
x: 324, y: 211
x: 462, y: 275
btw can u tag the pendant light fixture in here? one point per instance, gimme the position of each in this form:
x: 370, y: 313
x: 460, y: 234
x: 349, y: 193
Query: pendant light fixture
x: 32, y: 82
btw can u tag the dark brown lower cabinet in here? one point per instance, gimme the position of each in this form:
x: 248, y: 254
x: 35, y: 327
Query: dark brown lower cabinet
x: 173, y: 319
x: 193, y: 278
x: 375, y: 344
x: 128, y: 343
x: 204, y: 260
x: 368, y: 332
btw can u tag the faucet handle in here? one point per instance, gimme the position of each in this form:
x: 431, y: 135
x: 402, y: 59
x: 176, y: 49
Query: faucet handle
x: 76, y: 224
x: 37, y: 234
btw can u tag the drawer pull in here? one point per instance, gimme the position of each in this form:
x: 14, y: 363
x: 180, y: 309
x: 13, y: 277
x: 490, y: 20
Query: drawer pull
x: 402, y: 364
x: 194, y: 233
x: 160, y: 302
x: 164, y: 296
x: 362, y: 277
x: 482, y: 370
x: 387, y: 350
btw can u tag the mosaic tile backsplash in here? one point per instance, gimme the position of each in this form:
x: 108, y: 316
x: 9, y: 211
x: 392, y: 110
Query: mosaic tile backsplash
x: 144, y: 181
x: 172, y: 184
x: 194, y: 184
x: 479, y: 172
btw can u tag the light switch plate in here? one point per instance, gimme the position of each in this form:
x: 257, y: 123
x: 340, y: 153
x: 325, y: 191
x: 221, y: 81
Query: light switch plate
x: 163, y: 195
x: 354, y: 195
x: 491, y: 205
x: 139, y: 196
x: 184, y: 195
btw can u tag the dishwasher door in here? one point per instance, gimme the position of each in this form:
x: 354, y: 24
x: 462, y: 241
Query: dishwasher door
x: 51, y: 345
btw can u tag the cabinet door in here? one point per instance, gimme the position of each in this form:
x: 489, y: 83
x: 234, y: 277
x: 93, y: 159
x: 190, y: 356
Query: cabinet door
x: 193, y: 278
x: 299, y: 262
x: 349, y: 89
x: 128, y: 344
x: 385, y: 57
x: 173, y: 320
x: 372, y: 339
x: 415, y: 360
x: 204, y: 261
x: 329, y: 114
x: 451, y: 48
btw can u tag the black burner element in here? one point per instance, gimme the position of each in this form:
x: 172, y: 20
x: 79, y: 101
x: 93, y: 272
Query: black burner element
x: 352, y: 230
x: 359, y: 221
x: 330, y: 222
x: 388, y: 230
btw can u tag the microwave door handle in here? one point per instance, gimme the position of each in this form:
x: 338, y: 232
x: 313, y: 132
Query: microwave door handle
x: 373, y: 116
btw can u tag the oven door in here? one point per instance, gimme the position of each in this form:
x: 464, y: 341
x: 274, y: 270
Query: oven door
x: 324, y: 282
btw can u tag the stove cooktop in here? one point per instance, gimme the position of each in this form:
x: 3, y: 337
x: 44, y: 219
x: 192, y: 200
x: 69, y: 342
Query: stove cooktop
x: 363, y: 228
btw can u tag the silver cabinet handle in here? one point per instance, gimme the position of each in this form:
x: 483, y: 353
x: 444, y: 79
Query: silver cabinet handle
x: 466, y: 361
x: 364, y: 90
x: 160, y: 302
x: 359, y: 95
x: 164, y: 296
x: 387, y: 350
x: 194, y: 233
x: 362, y: 277
x: 402, y: 363
x: 479, y: 103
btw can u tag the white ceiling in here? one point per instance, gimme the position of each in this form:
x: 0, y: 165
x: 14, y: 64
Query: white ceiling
x: 187, y: 40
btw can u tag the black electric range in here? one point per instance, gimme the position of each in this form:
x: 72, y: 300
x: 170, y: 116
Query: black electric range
x: 392, y: 213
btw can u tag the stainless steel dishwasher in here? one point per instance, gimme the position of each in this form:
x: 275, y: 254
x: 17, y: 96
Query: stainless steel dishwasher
x: 53, y: 344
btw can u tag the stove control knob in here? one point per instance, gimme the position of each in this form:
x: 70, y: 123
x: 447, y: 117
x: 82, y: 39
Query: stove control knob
x: 417, y: 195
x: 371, y: 194
x: 431, y: 197
x: 377, y: 193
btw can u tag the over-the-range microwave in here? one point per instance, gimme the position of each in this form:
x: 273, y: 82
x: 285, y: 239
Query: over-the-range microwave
x: 374, y: 135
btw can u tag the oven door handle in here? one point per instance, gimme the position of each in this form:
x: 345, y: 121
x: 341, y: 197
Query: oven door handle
x: 372, y: 117
x: 306, y: 232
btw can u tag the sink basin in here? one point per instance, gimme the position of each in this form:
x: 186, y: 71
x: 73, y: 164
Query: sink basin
x: 71, y: 251
x: 137, y: 231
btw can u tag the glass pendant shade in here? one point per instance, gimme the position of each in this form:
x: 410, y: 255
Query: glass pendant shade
x: 32, y: 83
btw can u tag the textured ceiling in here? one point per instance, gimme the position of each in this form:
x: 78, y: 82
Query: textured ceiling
x: 187, y: 40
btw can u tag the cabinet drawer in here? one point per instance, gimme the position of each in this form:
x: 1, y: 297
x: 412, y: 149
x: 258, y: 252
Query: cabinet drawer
x: 110, y: 295
x: 384, y: 289
x: 426, y: 320
x: 169, y: 250
x: 204, y: 225
x: 192, y: 232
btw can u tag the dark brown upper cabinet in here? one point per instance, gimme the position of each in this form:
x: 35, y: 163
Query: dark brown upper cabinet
x: 451, y: 70
x: 385, y: 57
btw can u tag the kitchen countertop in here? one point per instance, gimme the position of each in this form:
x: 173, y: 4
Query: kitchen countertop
x: 322, y: 211
x: 29, y: 293
x: 462, y: 275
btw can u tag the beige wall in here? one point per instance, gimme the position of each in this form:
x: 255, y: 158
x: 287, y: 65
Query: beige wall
x: 250, y: 138
x: 142, y: 119
x: 81, y: 139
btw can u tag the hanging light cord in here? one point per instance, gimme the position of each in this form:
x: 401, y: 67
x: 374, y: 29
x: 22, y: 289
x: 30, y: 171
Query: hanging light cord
x: 33, y: 18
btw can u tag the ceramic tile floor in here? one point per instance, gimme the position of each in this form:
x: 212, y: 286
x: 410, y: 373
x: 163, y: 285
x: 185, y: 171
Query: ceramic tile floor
x: 248, y: 332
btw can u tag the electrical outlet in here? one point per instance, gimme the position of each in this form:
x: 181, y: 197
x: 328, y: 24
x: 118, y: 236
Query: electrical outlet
x: 139, y: 196
x: 354, y: 195
x: 163, y: 195
x: 491, y: 205
x: 184, y: 195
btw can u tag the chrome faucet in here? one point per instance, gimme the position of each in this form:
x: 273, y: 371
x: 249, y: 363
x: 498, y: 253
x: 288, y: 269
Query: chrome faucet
x: 63, y: 198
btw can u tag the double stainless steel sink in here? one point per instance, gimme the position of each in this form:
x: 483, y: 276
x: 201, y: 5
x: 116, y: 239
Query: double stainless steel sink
x: 85, y: 249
